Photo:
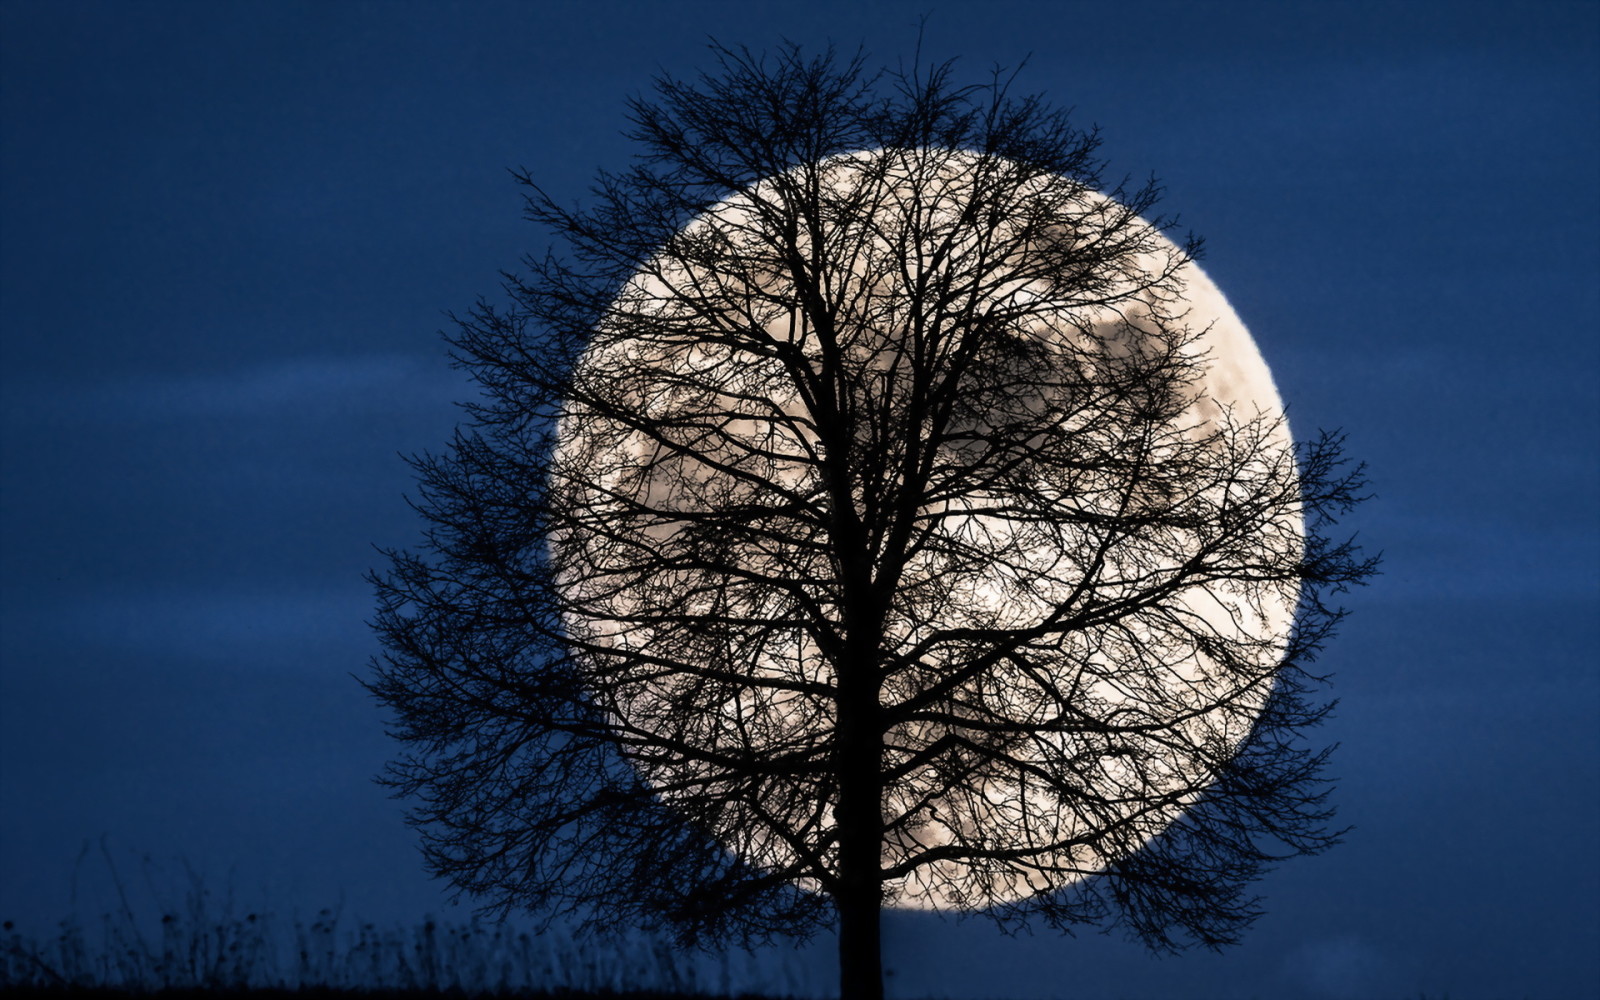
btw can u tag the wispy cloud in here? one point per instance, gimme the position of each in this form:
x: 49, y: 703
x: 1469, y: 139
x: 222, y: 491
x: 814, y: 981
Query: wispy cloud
x: 192, y: 622
x: 284, y: 387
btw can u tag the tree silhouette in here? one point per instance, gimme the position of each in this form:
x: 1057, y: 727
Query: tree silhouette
x: 855, y: 515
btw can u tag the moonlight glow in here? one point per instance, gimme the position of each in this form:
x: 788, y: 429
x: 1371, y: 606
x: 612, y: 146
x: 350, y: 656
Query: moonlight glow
x: 698, y: 342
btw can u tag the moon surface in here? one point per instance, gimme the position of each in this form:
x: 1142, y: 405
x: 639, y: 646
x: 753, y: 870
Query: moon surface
x: 744, y: 431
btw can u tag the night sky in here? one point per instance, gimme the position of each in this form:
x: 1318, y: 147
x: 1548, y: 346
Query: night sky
x: 231, y: 233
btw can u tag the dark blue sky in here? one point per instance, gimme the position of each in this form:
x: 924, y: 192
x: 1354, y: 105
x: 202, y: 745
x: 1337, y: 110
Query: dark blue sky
x: 230, y: 232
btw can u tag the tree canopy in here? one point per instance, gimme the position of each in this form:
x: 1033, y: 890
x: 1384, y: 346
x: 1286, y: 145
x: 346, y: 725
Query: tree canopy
x: 868, y: 507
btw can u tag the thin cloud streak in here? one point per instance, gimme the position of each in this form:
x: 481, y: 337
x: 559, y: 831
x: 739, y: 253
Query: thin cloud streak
x: 287, y: 388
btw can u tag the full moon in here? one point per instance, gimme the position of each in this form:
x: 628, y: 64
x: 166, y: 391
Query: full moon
x: 1155, y: 663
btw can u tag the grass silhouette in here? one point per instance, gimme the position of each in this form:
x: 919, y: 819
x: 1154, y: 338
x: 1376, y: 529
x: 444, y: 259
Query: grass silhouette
x: 205, y: 943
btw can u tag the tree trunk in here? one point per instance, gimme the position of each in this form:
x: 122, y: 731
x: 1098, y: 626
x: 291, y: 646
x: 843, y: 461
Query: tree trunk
x: 860, y: 895
x: 858, y: 749
x: 860, y: 822
x: 860, y: 949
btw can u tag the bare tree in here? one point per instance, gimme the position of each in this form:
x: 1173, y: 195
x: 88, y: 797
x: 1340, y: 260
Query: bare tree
x: 855, y: 516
